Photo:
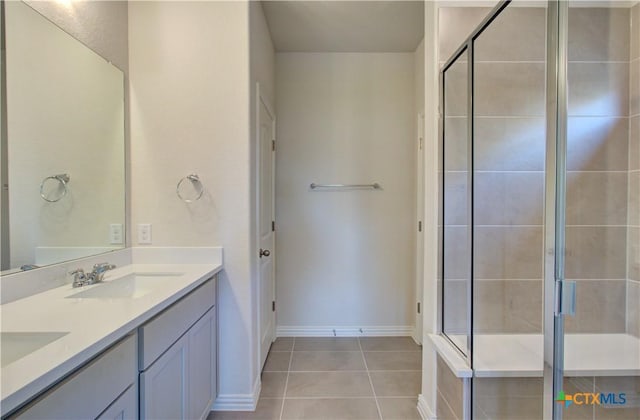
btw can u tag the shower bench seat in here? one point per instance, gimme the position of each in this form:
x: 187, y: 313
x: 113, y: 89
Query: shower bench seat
x: 521, y: 355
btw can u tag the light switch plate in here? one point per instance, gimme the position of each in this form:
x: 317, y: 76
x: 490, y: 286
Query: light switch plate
x: 144, y: 233
x: 115, y: 234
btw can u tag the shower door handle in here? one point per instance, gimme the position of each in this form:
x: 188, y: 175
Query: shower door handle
x: 565, y: 297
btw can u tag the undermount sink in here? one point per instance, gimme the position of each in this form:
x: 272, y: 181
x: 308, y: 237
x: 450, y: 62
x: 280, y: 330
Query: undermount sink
x: 131, y: 286
x: 16, y: 345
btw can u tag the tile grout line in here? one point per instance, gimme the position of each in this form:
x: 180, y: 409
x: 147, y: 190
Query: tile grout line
x: 286, y: 382
x: 448, y: 404
x: 375, y: 397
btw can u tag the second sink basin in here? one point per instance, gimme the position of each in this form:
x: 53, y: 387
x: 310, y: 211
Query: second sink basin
x: 131, y: 286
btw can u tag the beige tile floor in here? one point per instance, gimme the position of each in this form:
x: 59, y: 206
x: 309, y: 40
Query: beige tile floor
x: 338, y: 378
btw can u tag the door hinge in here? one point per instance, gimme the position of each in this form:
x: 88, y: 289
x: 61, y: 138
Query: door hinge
x: 420, y: 226
x: 273, y: 306
x: 420, y: 143
x: 273, y: 145
x: 565, y: 297
x: 418, y: 307
x: 273, y: 226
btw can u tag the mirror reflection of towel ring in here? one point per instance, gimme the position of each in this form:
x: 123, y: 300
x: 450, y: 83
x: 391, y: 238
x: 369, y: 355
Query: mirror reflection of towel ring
x: 197, y: 185
x: 62, y: 179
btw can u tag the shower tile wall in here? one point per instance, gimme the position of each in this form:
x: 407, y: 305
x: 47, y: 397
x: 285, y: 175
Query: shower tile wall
x: 509, y: 167
x: 450, y: 393
x: 597, y: 167
x: 633, y: 230
x: 509, y: 198
x: 617, y: 384
x: 507, y: 398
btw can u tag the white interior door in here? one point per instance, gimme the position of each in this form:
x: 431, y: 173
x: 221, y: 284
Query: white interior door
x: 266, y: 226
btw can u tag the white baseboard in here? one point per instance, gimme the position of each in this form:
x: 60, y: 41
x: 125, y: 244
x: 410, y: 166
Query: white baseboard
x: 424, y: 410
x: 329, y: 331
x: 417, y: 336
x: 239, y: 402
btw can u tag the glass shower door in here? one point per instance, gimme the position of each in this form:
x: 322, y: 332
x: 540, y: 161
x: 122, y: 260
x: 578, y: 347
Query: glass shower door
x: 509, y: 132
x: 456, y: 210
x: 599, y: 208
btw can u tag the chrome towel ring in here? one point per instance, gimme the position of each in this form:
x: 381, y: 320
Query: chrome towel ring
x: 197, y: 185
x: 62, y: 179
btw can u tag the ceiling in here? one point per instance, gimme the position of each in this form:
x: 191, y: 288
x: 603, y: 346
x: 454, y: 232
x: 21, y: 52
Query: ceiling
x: 345, y: 26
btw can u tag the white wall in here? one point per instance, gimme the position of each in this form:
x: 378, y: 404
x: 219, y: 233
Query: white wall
x: 4, y: 173
x: 65, y: 115
x: 427, y: 398
x: 345, y: 259
x: 418, y: 58
x: 189, y: 71
x: 101, y: 25
x: 262, y: 70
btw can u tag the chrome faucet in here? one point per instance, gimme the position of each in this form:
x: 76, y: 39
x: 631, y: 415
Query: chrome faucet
x: 80, y: 278
x: 98, y: 271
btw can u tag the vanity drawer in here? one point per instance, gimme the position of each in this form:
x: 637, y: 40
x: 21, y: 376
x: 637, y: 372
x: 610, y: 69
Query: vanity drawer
x: 90, y: 390
x: 161, y: 332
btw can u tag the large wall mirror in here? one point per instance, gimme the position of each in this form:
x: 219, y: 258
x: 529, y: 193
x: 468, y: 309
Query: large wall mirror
x: 62, y: 161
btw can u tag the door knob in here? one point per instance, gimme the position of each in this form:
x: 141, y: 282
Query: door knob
x: 264, y: 253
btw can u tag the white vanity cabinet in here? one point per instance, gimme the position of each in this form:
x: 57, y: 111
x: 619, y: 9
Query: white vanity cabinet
x: 94, y: 389
x: 201, y: 362
x: 163, y: 388
x: 124, y: 408
x: 177, y: 359
x: 164, y: 369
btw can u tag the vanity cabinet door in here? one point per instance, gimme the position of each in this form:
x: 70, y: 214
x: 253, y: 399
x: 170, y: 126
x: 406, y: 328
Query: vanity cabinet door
x: 181, y: 382
x: 163, y: 384
x: 124, y: 408
x: 202, y: 366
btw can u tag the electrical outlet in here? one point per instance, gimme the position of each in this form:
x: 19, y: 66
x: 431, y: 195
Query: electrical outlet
x: 144, y: 233
x: 115, y: 233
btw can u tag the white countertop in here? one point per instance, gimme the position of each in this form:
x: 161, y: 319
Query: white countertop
x: 521, y: 355
x: 92, y: 325
x: 456, y: 361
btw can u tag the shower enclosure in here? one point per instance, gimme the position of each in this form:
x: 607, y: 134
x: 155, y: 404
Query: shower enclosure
x: 540, y: 208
